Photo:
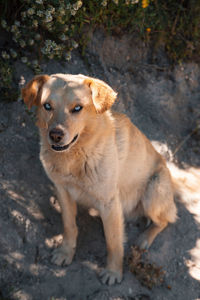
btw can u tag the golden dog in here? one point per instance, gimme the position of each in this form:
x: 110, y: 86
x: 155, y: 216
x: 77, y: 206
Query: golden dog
x: 98, y: 158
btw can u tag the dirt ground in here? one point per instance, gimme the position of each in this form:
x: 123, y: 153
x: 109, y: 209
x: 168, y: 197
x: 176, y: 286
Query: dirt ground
x: 164, y: 103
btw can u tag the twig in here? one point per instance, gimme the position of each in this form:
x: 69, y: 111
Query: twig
x: 185, y: 139
x: 176, y: 20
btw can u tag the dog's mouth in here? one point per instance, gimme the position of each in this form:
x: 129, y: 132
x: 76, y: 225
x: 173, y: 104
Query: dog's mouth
x: 65, y: 147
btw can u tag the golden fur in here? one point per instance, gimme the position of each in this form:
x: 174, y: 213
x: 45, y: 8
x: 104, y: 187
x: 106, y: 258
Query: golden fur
x: 106, y: 164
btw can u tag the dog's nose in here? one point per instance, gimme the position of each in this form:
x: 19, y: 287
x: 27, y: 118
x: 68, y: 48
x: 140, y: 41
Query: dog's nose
x: 56, y: 135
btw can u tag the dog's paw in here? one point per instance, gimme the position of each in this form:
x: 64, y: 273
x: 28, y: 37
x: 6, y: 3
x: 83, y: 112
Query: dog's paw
x: 142, y: 242
x: 62, y: 256
x: 110, y: 277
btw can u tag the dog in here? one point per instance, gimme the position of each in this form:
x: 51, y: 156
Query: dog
x: 100, y: 159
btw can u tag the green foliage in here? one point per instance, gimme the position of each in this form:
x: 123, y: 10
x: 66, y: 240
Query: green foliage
x: 7, y: 89
x: 54, y: 28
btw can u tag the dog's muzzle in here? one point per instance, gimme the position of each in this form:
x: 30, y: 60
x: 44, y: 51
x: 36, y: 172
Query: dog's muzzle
x: 65, y: 147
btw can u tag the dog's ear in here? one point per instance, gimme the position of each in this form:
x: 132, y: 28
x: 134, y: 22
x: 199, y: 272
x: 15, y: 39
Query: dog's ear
x: 103, y: 95
x: 31, y: 92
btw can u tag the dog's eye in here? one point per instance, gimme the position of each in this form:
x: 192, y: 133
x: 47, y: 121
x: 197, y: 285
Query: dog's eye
x: 47, y: 106
x: 77, y: 108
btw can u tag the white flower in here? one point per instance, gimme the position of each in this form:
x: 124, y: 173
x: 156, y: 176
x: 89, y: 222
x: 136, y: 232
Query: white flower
x: 17, y: 23
x: 13, y: 53
x: 59, y: 50
x: 14, y: 39
x: 66, y: 28
x: 5, y: 55
x: 35, y: 23
x: 14, y: 28
x: 116, y: 2
x: 63, y: 37
x: 68, y: 56
x: 54, y: 45
x: 50, y: 56
x: 43, y: 50
x: 22, y: 43
x: 51, y: 9
x: 49, y: 26
x: 61, y: 11
x: 30, y: 11
x: 3, y: 24
x: 77, y: 5
x: 40, y: 13
x: 134, y: 1
x: 31, y: 42
x: 73, y: 12
x: 17, y: 34
x: 49, y: 48
x: 104, y: 3
x: 35, y: 62
x: 37, y: 37
x: 39, y: 1
x: 24, y: 59
x: 74, y: 44
x: 23, y: 14
x: 48, y: 18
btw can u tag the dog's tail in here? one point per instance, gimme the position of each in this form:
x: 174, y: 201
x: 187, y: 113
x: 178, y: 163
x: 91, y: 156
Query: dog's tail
x: 186, y: 184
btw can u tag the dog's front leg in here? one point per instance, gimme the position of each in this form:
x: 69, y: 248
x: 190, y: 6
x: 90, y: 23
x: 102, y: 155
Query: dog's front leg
x: 112, y: 217
x: 64, y: 254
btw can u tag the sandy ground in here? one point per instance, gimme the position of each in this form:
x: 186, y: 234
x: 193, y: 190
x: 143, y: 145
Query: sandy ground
x: 165, y: 105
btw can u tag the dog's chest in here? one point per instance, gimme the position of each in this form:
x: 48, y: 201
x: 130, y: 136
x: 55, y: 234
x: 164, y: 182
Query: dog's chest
x: 82, y: 173
x: 86, y: 181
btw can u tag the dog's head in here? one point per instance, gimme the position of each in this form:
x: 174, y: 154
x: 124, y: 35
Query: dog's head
x: 67, y: 104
